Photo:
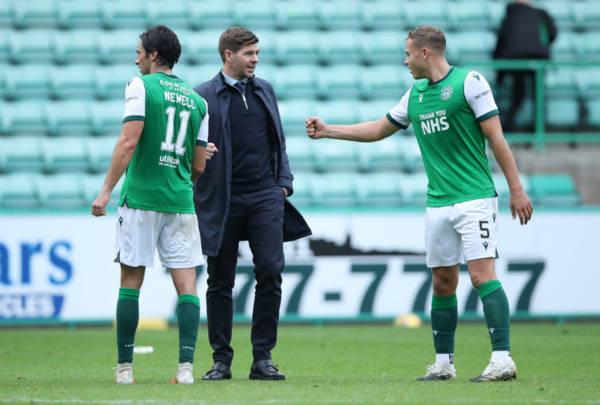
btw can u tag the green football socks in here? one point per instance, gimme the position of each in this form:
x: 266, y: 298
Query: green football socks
x: 497, y: 314
x: 188, y: 319
x: 128, y: 313
x: 444, y: 317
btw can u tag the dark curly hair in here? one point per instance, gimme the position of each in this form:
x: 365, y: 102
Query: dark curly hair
x: 163, y: 40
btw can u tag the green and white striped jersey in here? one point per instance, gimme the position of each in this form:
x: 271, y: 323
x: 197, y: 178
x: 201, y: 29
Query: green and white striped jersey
x: 445, y: 117
x: 175, y: 119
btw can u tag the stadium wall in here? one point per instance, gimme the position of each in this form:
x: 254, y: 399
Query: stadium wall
x: 358, y: 265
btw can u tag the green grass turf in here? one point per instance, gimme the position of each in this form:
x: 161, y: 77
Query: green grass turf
x: 356, y: 364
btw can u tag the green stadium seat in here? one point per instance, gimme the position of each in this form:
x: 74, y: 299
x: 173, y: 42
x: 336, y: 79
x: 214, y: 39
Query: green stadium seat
x: 383, y: 15
x: 382, y: 189
x: 383, y: 47
x: 4, y: 47
x: 502, y: 187
x: 111, y: 81
x: 588, y: 45
x: 267, y: 45
x: 118, y: 46
x: 338, y: 112
x: 561, y: 83
x: 553, y: 190
x: 30, y: 46
x: 20, y: 154
x: 563, y: 112
x: 427, y: 12
x: 210, y: 15
x: 588, y: 82
x: 334, y: 190
x: 73, y: 82
x: 586, y: 14
x: 256, y: 14
x: 99, y: 152
x: 128, y: 14
x: 63, y: 190
x: 194, y: 75
x: 202, y: 47
x: 414, y: 187
x: 374, y: 110
x: 382, y: 155
x: 339, y: 82
x: 23, y: 117
x: 497, y: 11
x: 562, y: 13
x: 77, y: 46
x: 412, y: 161
x: 334, y: 155
x: 6, y: 14
x: 294, y: 82
x: 174, y: 15
x: 294, y: 114
x: 76, y: 14
x: 300, y: 151
x: 470, y: 45
x: 565, y: 47
x: 35, y: 14
x: 17, y: 190
x: 297, y: 47
x: 65, y: 154
x: 302, y: 195
x: 91, y: 184
x: 385, y: 82
x: 338, y: 47
x: 107, y: 117
x: 469, y: 15
x: 340, y: 15
x: 297, y: 15
x: 593, y: 112
x: 68, y: 118
x: 27, y: 82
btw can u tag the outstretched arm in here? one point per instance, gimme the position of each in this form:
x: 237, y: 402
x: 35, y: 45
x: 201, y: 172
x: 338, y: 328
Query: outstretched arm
x: 364, y: 132
x: 519, y: 202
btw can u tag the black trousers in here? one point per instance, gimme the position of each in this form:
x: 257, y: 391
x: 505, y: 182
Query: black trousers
x: 521, y: 81
x: 258, y: 216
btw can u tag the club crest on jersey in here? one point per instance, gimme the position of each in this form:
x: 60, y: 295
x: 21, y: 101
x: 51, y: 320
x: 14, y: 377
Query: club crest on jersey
x: 446, y: 92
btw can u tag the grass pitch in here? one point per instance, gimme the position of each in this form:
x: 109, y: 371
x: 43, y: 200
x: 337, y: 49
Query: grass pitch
x: 360, y: 364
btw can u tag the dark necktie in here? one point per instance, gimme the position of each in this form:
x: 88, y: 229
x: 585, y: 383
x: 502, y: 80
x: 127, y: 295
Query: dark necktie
x: 239, y: 86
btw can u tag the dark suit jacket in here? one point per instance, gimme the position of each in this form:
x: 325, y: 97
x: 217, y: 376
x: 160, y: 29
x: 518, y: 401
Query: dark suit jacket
x: 212, y: 190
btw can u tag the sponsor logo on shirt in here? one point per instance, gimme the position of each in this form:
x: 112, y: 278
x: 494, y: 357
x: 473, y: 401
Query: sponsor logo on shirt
x: 434, y: 122
x: 168, y: 160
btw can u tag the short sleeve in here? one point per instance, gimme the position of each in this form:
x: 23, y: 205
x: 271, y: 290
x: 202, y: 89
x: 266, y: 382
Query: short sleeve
x: 202, y: 138
x: 399, y: 114
x: 135, y: 101
x: 479, y: 96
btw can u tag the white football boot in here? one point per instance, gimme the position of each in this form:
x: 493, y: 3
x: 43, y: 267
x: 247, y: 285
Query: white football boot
x: 124, y: 373
x: 498, y: 371
x: 438, y: 371
x: 185, y: 374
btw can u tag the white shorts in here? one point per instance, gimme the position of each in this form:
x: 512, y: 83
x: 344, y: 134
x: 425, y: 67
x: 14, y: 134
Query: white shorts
x: 461, y: 232
x: 141, y: 232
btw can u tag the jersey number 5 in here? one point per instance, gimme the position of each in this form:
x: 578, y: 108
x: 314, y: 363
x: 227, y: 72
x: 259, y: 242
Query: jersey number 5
x: 167, y: 144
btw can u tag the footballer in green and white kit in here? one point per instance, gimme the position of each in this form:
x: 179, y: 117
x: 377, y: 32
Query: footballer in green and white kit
x: 461, y: 197
x: 156, y: 208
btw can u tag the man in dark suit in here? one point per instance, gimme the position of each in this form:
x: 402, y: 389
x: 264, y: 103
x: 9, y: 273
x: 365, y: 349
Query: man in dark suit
x: 243, y: 196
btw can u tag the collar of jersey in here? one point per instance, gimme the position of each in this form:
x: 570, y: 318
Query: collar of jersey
x: 168, y: 75
x: 442, y: 79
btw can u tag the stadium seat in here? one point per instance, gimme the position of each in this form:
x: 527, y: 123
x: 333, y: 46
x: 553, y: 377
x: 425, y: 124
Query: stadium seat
x: 302, y: 195
x: 5, y: 51
x: 17, y: 190
x: 593, y: 112
x: 300, y: 151
x: 194, y: 75
x: 174, y: 15
x: 27, y: 82
x: 73, y: 82
x: 63, y: 190
x: 65, y: 154
x: 588, y: 45
x: 374, y: 110
x: 470, y: 45
x: 35, y: 14
x: 586, y: 14
x: 107, y: 117
x: 23, y: 117
x: 297, y: 15
x: 382, y: 189
x: 338, y: 112
x: 123, y: 14
x: 385, y: 82
x: 427, y: 12
x: 502, y: 187
x: 68, y: 118
x: 414, y: 187
x: 553, y: 190
x: 111, y: 81
x: 294, y: 82
x: 118, y: 46
x: 202, y: 47
x: 340, y: 15
x: 76, y: 14
x: 411, y: 153
x: 563, y: 112
x: 255, y: 14
x: 20, y: 154
x: 340, y: 82
x: 210, y: 15
x: 588, y: 82
x: 340, y: 47
x: 383, y: 47
x: 383, y: 15
x: 91, y: 184
x: 383, y: 155
x: 565, y: 47
x: 561, y: 83
x: 334, y: 190
x: 99, y: 152
x: 6, y: 14
x: 31, y: 46
x: 77, y: 46
x: 267, y: 45
x: 469, y: 15
x: 297, y: 47
x: 496, y: 12
x: 334, y: 155
x: 561, y: 12
x: 294, y: 114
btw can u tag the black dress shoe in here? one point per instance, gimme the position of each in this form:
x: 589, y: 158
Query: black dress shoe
x: 219, y: 371
x: 265, y: 370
